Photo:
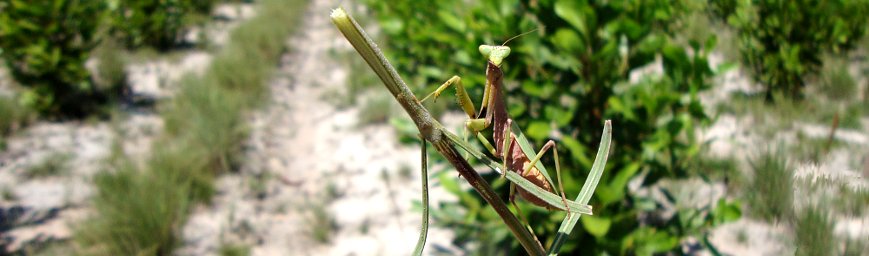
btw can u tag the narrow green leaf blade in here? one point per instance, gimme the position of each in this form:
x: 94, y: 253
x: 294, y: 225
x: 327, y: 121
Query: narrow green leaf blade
x: 587, y: 189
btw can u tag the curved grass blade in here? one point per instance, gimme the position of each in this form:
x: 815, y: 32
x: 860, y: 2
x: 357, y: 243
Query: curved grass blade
x: 423, y: 233
x: 584, y: 196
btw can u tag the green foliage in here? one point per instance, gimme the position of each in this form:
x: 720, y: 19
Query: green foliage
x: 45, y: 45
x: 566, y: 78
x: 155, y: 23
x: 814, y: 232
x: 771, y: 193
x: 781, y: 41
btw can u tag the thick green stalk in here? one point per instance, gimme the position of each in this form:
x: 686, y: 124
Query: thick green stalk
x: 430, y: 128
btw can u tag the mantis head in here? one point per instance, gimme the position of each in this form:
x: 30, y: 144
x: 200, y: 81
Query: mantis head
x: 495, y: 53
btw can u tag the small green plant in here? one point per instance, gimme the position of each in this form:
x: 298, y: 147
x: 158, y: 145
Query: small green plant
x: 814, y: 232
x: 321, y: 224
x: 782, y: 41
x: 8, y: 194
x: 258, y: 184
x: 851, y: 201
x: 12, y: 115
x: 111, y: 75
x: 51, y: 165
x: 141, y: 212
x: 233, y: 250
x: 855, y: 247
x: 713, y: 169
x: 836, y: 83
x: 771, y: 191
x: 45, y: 45
x: 209, y: 118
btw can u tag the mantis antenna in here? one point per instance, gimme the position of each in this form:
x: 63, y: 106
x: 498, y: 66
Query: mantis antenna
x: 516, y: 36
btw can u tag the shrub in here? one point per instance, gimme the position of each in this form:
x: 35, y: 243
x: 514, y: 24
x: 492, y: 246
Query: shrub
x: 566, y: 78
x: 45, y: 45
x: 155, y: 23
x: 781, y: 41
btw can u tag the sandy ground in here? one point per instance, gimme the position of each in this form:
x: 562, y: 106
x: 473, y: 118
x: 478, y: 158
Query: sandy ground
x: 312, y: 167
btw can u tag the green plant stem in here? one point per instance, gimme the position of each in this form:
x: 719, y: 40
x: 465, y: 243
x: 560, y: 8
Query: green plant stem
x: 430, y: 128
x: 423, y: 232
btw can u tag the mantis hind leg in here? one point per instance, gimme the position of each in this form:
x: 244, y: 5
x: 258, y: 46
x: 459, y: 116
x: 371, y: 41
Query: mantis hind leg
x: 551, y: 144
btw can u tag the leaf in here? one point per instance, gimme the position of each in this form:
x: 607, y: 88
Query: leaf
x: 596, y: 226
x: 648, y: 241
x: 570, y: 12
x: 452, y: 21
x: 726, y: 212
x: 588, y: 188
x: 538, y: 130
x: 614, y: 191
x: 577, y: 150
x: 568, y: 41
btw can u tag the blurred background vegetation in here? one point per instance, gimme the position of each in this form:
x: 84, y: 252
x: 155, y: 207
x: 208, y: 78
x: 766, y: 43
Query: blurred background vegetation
x: 642, y: 63
x: 580, y: 65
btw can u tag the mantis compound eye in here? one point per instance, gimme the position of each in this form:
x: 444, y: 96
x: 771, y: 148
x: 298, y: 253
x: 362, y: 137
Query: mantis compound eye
x: 495, y: 53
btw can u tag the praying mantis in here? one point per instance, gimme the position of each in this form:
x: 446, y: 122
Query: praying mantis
x: 493, y: 112
x: 529, y: 175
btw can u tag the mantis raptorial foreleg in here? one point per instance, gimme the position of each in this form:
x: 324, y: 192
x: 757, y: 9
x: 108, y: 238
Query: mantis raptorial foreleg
x: 461, y: 95
x: 474, y: 124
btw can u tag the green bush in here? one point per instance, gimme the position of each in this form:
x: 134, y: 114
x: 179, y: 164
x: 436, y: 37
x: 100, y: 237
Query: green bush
x: 567, y: 78
x: 45, y: 45
x: 154, y: 23
x: 781, y: 41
